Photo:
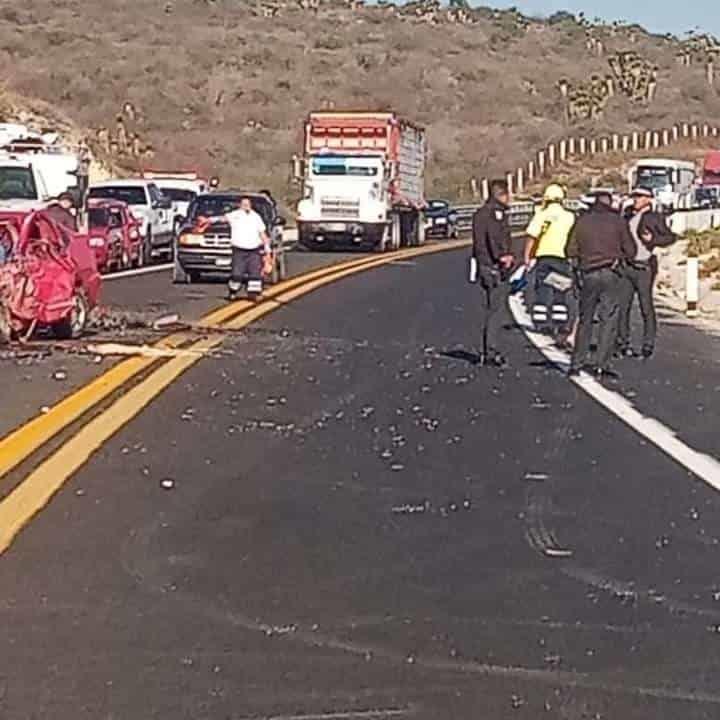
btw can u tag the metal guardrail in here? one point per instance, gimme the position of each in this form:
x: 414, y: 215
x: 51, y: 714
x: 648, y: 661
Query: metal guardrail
x: 519, y: 215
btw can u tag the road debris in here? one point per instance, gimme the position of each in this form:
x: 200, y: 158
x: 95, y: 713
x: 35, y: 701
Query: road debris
x: 148, y: 351
x: 167, y: 483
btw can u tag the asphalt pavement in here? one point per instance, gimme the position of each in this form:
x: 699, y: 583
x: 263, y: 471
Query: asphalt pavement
x: 41, y: 373
x: 342, y: 516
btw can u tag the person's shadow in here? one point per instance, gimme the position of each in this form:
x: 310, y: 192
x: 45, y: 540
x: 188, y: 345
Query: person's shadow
x: 462, y: 355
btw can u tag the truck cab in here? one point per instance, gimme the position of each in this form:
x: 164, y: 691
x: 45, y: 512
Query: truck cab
x: 22, y: 184
x: 362, y: 177
x: 180, y: 187
x: 671, y: 181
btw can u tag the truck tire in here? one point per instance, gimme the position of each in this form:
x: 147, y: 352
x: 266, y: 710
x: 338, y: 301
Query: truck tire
x: 396, y: 233
x: 146, y: 247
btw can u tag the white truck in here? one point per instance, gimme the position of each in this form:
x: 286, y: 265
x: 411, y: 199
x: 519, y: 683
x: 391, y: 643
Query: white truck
x: 363, y: 181
x: 22, y: 184
x: 150, y: 208
x: 180, y: 187
x: 671, y: 181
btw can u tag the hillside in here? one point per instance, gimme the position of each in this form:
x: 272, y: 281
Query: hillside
x: 224, y: 84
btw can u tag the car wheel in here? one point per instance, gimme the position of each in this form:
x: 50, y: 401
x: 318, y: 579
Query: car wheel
x: 147, y: 246
x: 5, y: 329
x: 73, y: 326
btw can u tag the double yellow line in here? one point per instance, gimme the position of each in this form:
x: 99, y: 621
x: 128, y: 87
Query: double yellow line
x: 36, y: 490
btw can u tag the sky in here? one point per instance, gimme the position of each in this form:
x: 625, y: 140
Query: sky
x: 656, y: 15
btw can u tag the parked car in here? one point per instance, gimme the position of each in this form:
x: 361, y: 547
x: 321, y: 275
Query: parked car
x: 707, y: 197
x: 208, y: 251
x: 149, y: 206
x: 114, y: 235
x: 440, y: 219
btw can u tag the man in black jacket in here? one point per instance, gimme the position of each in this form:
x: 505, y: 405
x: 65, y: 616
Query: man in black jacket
x: 649, y: 231
x: 492, y: 258
x: 599, y: 244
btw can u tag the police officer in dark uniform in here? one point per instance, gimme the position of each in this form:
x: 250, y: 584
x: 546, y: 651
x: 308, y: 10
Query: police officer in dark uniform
x: 649, y: 230
x: 491, y: 262
x: 599, y: 246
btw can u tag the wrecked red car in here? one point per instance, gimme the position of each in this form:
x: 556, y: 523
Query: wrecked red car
x: 48, y: 277
x: 114, y: 235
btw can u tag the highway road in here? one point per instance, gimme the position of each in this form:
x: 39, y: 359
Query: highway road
x: 325, y: 510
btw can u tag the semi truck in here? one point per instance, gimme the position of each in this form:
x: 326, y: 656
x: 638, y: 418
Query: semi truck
x: 363, y: 181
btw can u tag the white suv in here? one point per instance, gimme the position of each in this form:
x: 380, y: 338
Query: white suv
x: 150, y: 207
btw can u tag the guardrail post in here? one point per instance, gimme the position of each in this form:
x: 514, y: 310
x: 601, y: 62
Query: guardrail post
x: 583, y: 145
x: 485, y: 189
x: 694, y: 132
x: 626, y: 143
x: 593, y: 146
x: 615, y: 142
x: 510, y: 180
x: 604, y: 145
x: 531, y: 171
x: 541, y: 163
x: 692, y: 286
x: 563, y: 150
x: 647, y: 139
x: 474, y: 187
x: 571, y: 146
x: 705, y: 130
x: 675, y: 133
x: 520, y: 180
x: 635, y: 141
x: 552, y: 155
x: 656, y: 139
x: 685, y: 130
x: 665, y: 137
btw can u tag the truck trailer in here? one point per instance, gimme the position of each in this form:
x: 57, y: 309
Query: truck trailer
x: 363, y: 181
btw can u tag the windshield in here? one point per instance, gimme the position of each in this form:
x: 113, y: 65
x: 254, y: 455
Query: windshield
x: 653, y: 178
x: 177, y: 195
x: 17, y: 183
x: 356, y: 167
x: 132, y: 195
x: 215, y: 205
x: 98, y: 217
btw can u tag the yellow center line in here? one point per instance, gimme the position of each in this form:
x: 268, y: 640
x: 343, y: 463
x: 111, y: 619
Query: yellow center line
x: 38, y: 488
x: 22, y: 442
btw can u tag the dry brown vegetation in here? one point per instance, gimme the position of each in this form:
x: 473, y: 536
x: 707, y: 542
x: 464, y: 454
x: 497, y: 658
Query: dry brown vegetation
x: 217, y: 85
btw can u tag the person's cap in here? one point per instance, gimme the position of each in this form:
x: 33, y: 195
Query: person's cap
x: 65, y: 196
x: 554, y: 193
x: 642, y: 192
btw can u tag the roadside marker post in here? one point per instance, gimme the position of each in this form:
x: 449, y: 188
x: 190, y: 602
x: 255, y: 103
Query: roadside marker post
x: 692, y: 287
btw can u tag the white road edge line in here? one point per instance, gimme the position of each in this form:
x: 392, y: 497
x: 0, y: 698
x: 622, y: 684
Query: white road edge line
x: 702, y: 465
x: 139, y: 271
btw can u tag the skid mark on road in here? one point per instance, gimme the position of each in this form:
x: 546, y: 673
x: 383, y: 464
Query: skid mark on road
x: 703, y: 466
x: 379, y: 714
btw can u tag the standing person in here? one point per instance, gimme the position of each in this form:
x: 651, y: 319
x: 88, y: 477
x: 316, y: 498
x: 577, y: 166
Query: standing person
x: 63, y: 211
x: 599, y: 244
x: 250, y: 240
x: 548, y: 234
x: 649, y: 230
x: 492, y: 258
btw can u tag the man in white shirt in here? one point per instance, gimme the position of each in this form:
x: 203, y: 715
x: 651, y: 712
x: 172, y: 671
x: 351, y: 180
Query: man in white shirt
x: 250, y: 241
